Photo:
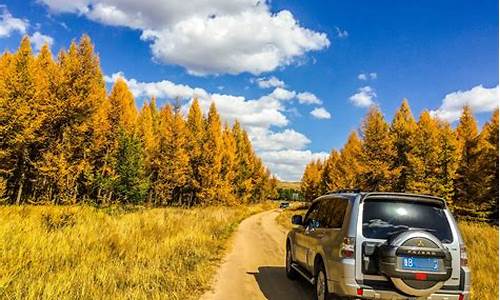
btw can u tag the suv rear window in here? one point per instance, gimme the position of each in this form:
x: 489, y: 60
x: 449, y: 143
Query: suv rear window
x: 383, y: 218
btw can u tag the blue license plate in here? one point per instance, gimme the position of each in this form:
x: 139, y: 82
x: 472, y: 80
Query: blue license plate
x: 420, y: 263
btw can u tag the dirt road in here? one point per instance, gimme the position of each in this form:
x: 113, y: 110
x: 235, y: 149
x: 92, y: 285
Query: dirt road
x: 254, y: 268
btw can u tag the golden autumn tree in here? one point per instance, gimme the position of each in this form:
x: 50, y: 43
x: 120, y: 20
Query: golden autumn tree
x: 349, y: 164
x: 81, y: 90
x: 448, y: 158
x: 173, y: 160
x: 488, y: 166
x: 467, y: 183
x: 22, y: 116
x: 331, y: 176
x: 5, y: 61
x: 148, y: 134
x: 227, y: 167
x: 377, y: 153
x: 210, y: 169
x: 196, y: 134
x: 243, y: 164
x: 403, y: 128
x: 123, y: 112
x: 311, y: 180
x: 423, y: 157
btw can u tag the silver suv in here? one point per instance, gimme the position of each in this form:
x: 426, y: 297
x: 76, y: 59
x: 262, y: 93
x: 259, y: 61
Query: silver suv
x: 379, y: 246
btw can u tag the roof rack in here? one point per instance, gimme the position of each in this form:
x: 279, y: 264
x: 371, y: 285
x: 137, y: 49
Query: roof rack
x: 345, y: 191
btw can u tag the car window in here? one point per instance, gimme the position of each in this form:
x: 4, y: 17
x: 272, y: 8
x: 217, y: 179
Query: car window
x: 312, y: 214
x: 332, y: 211
x: 381, y: 219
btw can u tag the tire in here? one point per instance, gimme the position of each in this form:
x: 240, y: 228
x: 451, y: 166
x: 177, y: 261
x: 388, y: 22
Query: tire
x: 321, y: 284
x: 291, y: 273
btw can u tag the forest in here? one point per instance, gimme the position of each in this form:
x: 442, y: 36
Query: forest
x: 426, y: 156
x: 64, y: 140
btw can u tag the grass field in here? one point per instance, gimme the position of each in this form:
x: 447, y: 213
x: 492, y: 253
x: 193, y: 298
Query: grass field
x: 481, y: 241
x: 82, y: 252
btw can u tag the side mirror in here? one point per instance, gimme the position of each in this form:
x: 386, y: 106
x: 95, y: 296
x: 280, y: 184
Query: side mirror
x: 297, y: 220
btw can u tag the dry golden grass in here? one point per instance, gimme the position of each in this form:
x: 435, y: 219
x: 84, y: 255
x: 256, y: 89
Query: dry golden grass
x: 116, y: 253
x: 481, y: 241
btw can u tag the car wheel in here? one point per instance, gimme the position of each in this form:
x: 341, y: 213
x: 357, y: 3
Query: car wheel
x: 321, y: 285
x: 291, y: 273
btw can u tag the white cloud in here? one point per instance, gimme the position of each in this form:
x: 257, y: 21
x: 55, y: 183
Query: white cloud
x: 479, y: 98
x: 366, y: 76
x: 266, y: 140
x: 207, y: 37
x: 39, y: 40
x: 341, y: 33
x: 362, y: 76
x: 160, y: 89
x: 308, y: 98
x: 282, y: 94
x: 364, y: 97
x: 272, y: 81
x: 320, y: 113
x: 9, y: 24
x: 289, y: 164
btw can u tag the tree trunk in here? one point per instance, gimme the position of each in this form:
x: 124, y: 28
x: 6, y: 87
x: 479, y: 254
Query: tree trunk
x: 20, y: 190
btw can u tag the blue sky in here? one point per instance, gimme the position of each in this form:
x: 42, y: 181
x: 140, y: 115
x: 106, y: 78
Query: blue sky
x: 328, y: 60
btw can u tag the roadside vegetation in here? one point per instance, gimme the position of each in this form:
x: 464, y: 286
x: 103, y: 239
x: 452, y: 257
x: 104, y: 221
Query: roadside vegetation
x: 120, y: 252
x: 481, y: 241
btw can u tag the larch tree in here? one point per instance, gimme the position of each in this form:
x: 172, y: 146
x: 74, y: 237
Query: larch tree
x: 331, y: 176
x: 403, y: 128
x: 349, y: 164
x: 21, y: 118
x: 423, y: 157
x: 377, y: 153
x: 243, y: 164
x: 228, y: 167
x: 148, y: 135
x: 260, y: 180
x: 123, y: 114
x: 448, y: 157
x: 196, y: 134
x: 488, y: 166
x: 173, y: 160
x: 210, y: 169
x: 311, y: 180
x: 81, y: 90
x: 468, y: 183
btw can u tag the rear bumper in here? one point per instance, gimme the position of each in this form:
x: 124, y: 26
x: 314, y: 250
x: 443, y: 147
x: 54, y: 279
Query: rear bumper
x: 370, y: 293
x: 348, y: 286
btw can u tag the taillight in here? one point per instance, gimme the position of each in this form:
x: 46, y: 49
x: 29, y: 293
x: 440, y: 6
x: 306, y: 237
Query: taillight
x: 463, y: 256
x: 348, y: 247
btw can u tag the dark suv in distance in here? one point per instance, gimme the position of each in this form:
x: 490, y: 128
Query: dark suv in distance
x: 379, y: 246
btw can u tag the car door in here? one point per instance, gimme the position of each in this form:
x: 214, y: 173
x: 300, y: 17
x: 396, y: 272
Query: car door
x: 335, y: 209
x: 316, y: 235
x: 302, y: 235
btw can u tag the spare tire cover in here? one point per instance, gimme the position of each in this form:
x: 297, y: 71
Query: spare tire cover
x: 420, y: 244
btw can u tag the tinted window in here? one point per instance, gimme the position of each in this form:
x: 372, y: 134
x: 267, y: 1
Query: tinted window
x: 312, y: 214
x: 331, y: 213
x: 382, y: 219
